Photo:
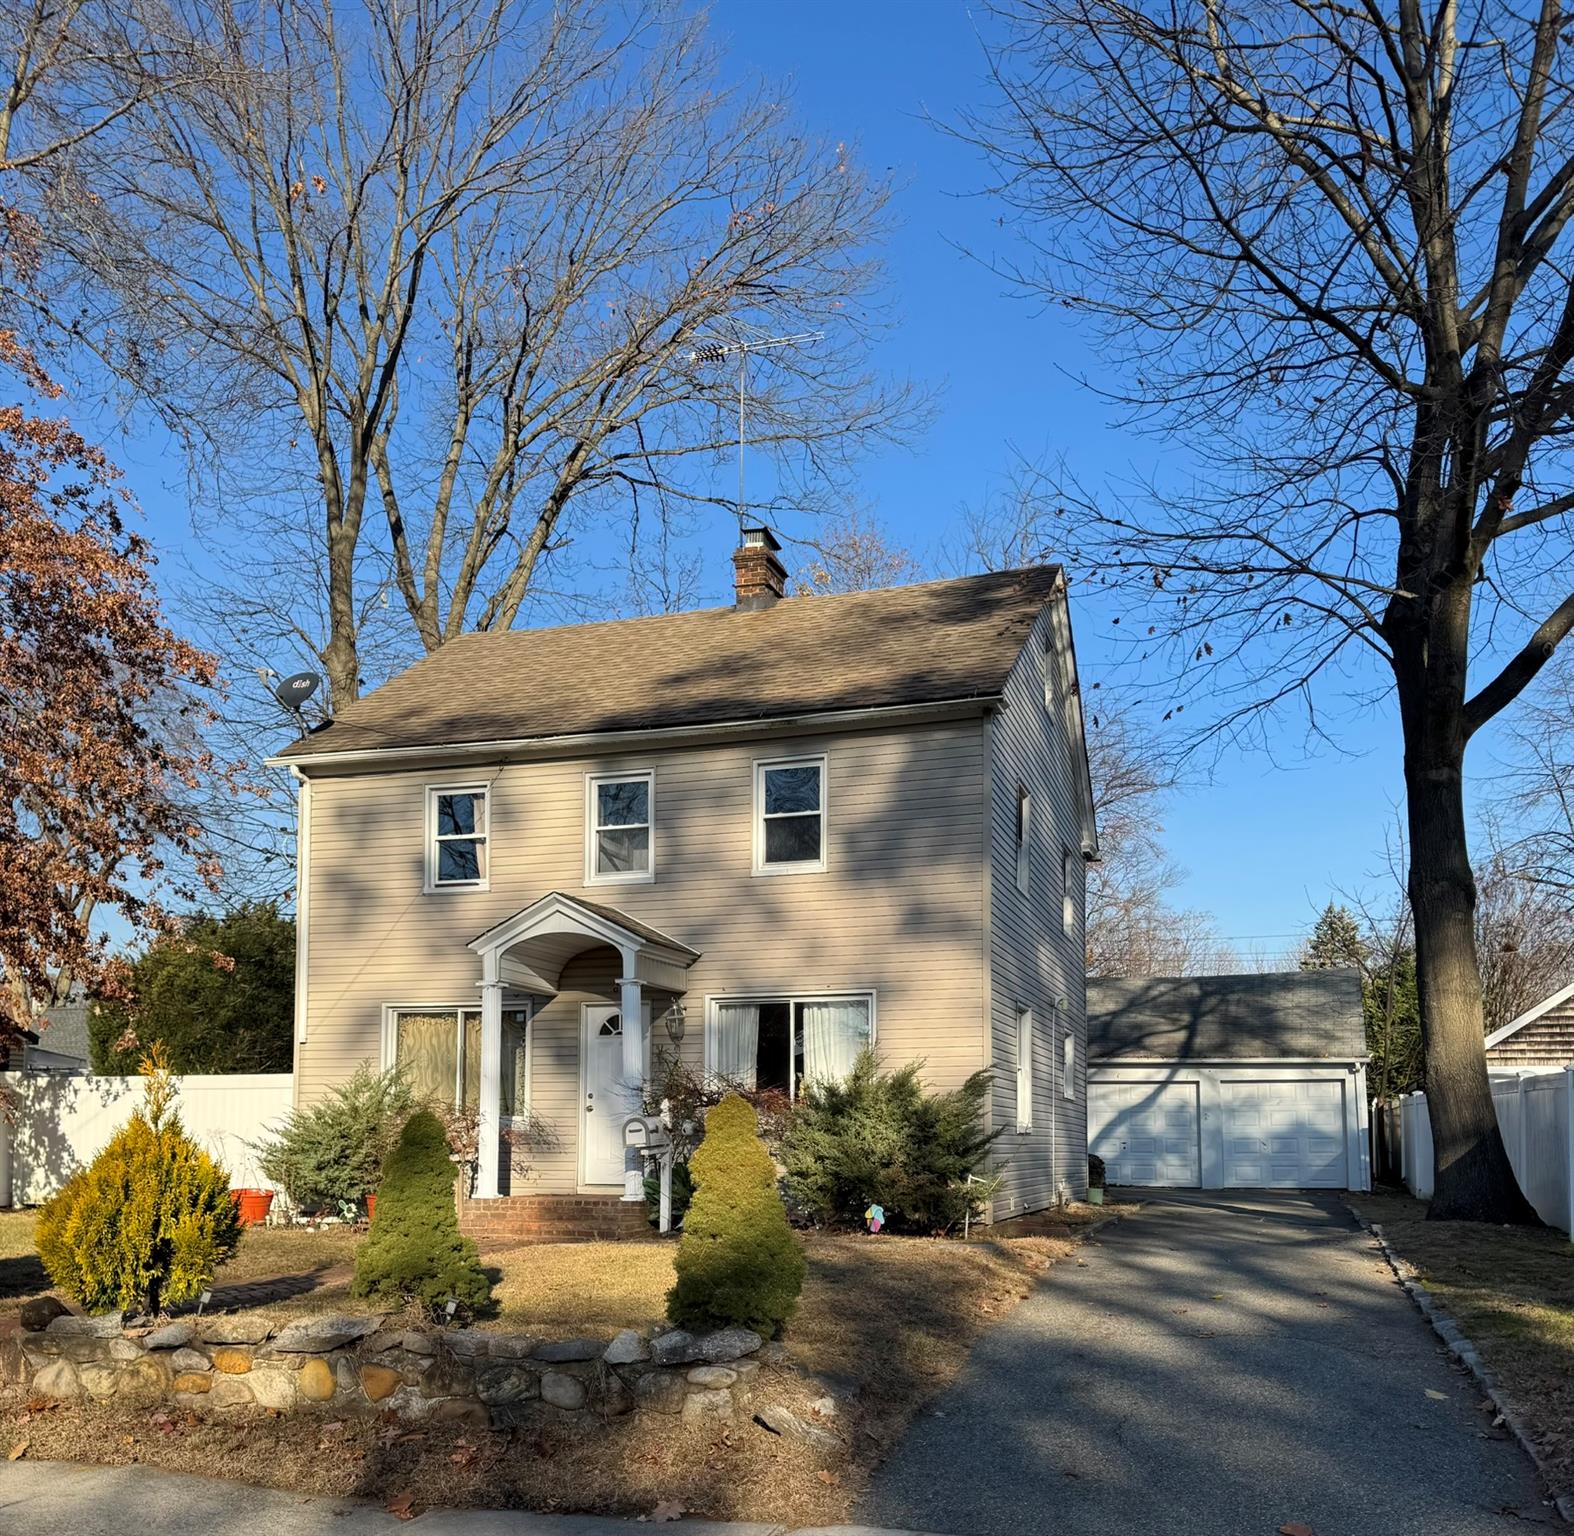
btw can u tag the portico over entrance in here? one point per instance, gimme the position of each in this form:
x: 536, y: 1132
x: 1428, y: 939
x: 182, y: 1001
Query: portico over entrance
x: 527, y: 953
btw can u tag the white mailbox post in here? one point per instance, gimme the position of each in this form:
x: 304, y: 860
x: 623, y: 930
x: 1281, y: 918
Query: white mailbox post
x: 651, y: 1137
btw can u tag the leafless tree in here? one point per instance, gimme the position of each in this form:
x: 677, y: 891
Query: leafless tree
x: 1537, y: 806
x: 854, y: 553
x: 1524, y: 936
x: 1324, y: 247
x: 445, y: 265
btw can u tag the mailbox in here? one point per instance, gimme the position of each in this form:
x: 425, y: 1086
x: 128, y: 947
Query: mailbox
x: 646, y: 1134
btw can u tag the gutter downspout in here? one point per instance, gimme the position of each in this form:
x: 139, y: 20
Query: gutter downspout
x: 303, y: 843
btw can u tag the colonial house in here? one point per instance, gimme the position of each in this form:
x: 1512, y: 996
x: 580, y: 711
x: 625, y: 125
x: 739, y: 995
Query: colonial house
x: 759, y: 837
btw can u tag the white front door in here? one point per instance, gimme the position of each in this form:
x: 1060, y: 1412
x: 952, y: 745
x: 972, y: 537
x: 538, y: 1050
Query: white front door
x: 1145, y: 1132
x: 1284, y: 1135
x: 604, y: 1102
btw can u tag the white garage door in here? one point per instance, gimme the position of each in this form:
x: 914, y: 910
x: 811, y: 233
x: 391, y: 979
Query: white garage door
x: 1145, y: 1132
x: 1284, y: 1135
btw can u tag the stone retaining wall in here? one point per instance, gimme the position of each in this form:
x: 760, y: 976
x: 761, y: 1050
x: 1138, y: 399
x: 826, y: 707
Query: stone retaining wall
x: 345, y: 1364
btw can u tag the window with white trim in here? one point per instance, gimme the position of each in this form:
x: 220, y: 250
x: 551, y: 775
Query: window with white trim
x: 438, y: 1053
x: 1024, y: 823
x: 1068, y: 1066
x: 1024, y: 1070
x: 789, y: 815
x: 785, y: 1042
x: 457, y: 818
x: 620, y: 825
x: 1068, y: 899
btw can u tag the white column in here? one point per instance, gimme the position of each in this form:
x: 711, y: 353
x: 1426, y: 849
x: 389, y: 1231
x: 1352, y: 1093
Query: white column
x: 490, y: 1128
x: 631, y: 997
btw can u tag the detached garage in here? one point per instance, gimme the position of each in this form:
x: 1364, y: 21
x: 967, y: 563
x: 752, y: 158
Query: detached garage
x: 1229, y: 1082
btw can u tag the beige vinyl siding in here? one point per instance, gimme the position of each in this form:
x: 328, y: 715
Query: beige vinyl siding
x: 898, y: 911
x: 1033, y: 960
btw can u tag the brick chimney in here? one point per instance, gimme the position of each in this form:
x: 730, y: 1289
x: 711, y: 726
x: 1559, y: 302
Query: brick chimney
x: 759, y: 577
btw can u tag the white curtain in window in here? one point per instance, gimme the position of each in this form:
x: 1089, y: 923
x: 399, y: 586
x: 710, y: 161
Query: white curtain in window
x: 834, y: 1032
x: 737, y: 1042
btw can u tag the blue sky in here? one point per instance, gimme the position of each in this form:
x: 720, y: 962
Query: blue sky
x: 1264, y: 839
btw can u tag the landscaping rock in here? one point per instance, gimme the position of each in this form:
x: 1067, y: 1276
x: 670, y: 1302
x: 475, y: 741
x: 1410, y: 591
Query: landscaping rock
x: 124, y: 1350
x: 616, y: 1399
x: 563, y: 1391
x: 564, y: 1351
x: 378, y: 1382
x: 712, y: 1376
x: 660, y: 1392
x: 513, y: 1346
x: 783, y: 1421
x: 14, y: 1367
x: 467, y: 1345
x: 318, y: 1335
x: 106, y: 1326
x: 37, y: 1314
x: 57, y: 1379
x: 629, y: 1348
x: 346, y: 1375
x: 316, y: 1381
x: 98, y: 1380
x: 231, y: 1362
x: 235, y: 1329
x: 703, y: 1406
x: 189, y: 1360
x: 420, y: 1343
x: 273, y: 1387
x: 144, y: 1381
x: 679, y: 1347
x: 506, y: 1384
x: 171, y: 1336
x: 193, y: 1382
x: 459, y: 1410
x: 229, y: 1392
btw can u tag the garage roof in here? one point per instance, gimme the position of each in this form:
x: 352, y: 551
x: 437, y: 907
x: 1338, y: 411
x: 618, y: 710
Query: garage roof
x: 1296, y: 1014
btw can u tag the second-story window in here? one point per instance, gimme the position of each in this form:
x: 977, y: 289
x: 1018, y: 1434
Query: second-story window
x: 789, y: 820
x: 620, y: 827
x: 456, y: 823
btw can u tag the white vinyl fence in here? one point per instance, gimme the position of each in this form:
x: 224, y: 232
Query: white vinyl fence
x: 1534, y: 1115
x: 58, y: 1122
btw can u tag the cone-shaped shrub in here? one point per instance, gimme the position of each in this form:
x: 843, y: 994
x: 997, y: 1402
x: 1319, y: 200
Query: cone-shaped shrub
x: 414, y: 1248
x: 148, y: 1221
x: 738, y: 1262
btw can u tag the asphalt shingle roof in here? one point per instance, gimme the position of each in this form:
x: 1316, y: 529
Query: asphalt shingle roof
x: 1176, y: 1018
x: 934, y: 642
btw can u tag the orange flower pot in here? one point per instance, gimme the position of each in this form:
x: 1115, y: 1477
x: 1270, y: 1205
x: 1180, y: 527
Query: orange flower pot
x: 251, y: 1205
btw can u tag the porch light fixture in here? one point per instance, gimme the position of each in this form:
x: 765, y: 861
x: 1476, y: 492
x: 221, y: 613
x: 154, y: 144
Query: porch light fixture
x: 674, y: 1020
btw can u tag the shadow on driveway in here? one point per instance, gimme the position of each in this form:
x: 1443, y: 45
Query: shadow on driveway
x: 1219, y: 1364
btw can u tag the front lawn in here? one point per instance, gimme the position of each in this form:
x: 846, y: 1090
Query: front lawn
x: 887, y: 1321
x: 1511, y: 1289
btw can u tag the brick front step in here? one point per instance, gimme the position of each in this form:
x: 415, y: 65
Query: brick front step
x: 554, y: 1219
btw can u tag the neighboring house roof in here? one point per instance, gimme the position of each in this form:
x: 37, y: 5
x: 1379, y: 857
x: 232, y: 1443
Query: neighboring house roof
x: 63, y: 1032
x: 1290, y: 1014
x: 937, y: 642
x: 1543, y: 1035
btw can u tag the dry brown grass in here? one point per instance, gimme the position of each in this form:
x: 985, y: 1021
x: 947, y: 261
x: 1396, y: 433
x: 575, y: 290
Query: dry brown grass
x: 889, y: 1320
x: 1512, y: 1291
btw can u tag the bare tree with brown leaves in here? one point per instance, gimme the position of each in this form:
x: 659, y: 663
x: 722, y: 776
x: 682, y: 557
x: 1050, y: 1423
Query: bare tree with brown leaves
x: 440, y: 269
x: 1326, y: 248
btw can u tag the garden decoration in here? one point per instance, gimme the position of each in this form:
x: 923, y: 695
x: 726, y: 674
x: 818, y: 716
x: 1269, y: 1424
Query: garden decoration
x: 875, y: 1216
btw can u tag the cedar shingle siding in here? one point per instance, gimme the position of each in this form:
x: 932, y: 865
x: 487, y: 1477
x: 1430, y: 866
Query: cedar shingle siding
x: 1544, y: 1042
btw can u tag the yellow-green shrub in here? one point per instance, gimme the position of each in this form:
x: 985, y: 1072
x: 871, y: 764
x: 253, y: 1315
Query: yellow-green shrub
x: 738, y: 1262
x: 148, y: 1221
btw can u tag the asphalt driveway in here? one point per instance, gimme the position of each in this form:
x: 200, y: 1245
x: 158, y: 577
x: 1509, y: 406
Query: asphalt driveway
x: 1221, y: 1365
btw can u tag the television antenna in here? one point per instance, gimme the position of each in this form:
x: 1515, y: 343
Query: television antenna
x: 720, y: 351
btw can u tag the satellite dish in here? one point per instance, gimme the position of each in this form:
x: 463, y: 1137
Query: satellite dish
x: 296, y: 689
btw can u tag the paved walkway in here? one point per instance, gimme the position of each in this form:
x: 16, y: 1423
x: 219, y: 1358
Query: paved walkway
x: 1215, y: 1365
x: 51, y: 1498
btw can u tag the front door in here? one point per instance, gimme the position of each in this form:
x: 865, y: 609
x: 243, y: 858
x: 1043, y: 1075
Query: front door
x: 604, y: 1102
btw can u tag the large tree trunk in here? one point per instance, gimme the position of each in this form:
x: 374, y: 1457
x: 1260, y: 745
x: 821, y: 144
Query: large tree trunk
x: 1473, y: 1180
